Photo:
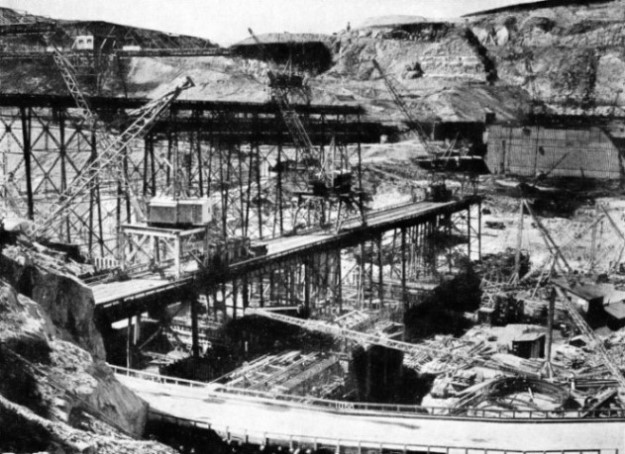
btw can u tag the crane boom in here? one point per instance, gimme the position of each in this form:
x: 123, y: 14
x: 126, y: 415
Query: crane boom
x: 115, y: 168
x: 69, y: 77
x: 599, y: 347
x: 78, y: 189
x: 282, y: 84
x: 413, y: 124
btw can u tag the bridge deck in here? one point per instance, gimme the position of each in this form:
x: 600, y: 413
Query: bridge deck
x: 241, y: 416
x: 279, y: 249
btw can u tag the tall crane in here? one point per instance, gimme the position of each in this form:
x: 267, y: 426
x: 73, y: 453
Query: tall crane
x: 285, y: 84
x: 323, y: 177
x: 109, y: 157
x: 413, y: 124
x: 115, y: 169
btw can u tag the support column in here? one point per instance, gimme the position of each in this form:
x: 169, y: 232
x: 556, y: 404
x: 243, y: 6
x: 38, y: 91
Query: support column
x: 261, y: 289
x: 307, y: 287
x: 246, y: 293
x: 404, y: 290
x: 129, y: 343
x: 195, y: 338
x: 26, y: 132
x: 136, y: 334
x: 479, y: 230
x: 380, y: 272
x: 469, y: 232
x: 339, y: 281
x: 234, y: 299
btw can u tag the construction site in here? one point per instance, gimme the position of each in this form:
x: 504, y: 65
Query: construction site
x: 403, y: 237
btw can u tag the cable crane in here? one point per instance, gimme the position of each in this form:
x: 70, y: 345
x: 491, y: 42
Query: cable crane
x: 110, y: 156
x: 324, y: 178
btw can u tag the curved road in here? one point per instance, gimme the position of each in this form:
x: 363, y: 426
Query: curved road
x: 236, y: 413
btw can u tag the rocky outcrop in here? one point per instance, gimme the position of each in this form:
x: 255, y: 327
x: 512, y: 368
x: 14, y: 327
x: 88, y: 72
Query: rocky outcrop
x: 25, y: 431
x: 65, y: 299
x: 56, y: 387
x: 568, y: 56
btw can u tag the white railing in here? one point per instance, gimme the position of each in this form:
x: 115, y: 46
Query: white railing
x: 246, y: 435
x: 368, y: 408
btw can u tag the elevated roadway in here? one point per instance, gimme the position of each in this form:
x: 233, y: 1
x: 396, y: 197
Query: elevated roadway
x: 353, y: 231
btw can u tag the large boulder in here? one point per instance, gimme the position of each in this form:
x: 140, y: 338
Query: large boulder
x: 57, y: 379
x: 66, y: 300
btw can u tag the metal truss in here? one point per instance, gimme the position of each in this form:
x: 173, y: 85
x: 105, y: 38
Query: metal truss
x: 233, y: 153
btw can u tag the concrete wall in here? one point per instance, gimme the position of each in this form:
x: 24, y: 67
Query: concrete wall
x: 531, y: 150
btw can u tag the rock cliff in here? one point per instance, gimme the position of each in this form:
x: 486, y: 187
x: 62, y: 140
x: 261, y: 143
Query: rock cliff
x: 63, y: 297
x: 54, y: 384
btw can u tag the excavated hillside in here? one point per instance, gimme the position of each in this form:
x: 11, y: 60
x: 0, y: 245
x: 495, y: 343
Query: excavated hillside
x: 572, y: 53
x: 568, y: 55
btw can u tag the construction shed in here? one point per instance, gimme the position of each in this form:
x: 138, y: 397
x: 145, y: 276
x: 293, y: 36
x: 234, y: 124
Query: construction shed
x: 586, y: 152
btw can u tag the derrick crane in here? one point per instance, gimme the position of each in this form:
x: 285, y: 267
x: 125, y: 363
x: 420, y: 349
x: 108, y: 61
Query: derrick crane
x: 323, y: 178
x: 115, y: 168
x: 109, y: 157
x: 413, y: 124
x: 437, y: 190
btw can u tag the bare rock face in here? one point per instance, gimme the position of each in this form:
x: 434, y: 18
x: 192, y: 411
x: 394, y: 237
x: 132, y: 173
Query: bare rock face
x: 66, y: 300
x: 26, y: 431
x: 570, y: 57
x: 55, y: 379
x: 93, y: 386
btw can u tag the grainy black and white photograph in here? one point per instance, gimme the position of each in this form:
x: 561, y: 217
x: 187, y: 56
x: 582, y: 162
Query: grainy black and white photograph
x: 312, y: 226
